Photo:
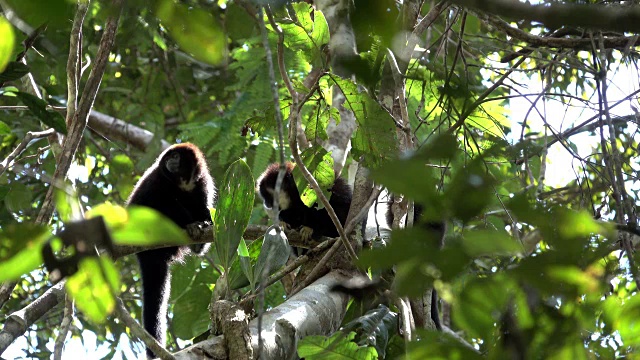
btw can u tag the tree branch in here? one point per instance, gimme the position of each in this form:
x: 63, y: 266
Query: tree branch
x: 315, y: 310
x: 76, y: 130
x: 139, y: 332
x: 553, y: 40
x: 622, y: 18
x: 30, y: 136
x: 111, y: 128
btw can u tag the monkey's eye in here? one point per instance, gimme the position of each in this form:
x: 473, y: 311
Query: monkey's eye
x: 173, y: 163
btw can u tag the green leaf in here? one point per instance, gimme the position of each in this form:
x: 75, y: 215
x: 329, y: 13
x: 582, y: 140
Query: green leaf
x: 195, y: 30
x: 121, y: 169
x: 237, y: 278
x: 233, y: 210
x: 375, y: 328
x: 21, y: 249
x: 375, y: 138
x: 38, y: 107
x: 139, y: 225
x: 238, y: 22
x: 273, y: 255
x: 470, y: 190
x: 4, y: 129
x: 7, y: 39
x: 320, y: 163
x: 94, y: 287
x: 19, y: 198
x: 339, y: 346
x: 245, y: 262
x: 68, y: 207
x: 56, y: 14
x: 191, y: 273
x: 436, y: 345
x: 309, y: 34
x: 622, y: 315
x: 191, y: 311
x: 489, y: 243
x: 14, y: 71
x: 481, y: 303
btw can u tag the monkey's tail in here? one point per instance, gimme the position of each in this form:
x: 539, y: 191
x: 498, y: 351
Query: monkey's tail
x: 156, y: 286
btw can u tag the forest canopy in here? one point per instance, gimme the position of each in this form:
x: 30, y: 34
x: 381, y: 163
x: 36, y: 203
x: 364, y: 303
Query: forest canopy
x: 490, y: 147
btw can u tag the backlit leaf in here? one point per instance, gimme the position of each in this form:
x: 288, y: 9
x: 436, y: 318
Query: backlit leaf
x: 233, y: 210
x: 94, y: 287
x: 7, y: 39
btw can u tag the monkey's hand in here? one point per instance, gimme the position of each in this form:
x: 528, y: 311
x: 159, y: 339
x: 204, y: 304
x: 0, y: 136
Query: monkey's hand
x: 196, y: 230
x: 285, y: 226
x: 306, y: 233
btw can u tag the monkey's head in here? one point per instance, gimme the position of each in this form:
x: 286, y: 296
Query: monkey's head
x: 184, y: 165
x: 267, y: 185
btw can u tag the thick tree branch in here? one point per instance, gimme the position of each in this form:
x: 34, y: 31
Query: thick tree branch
x: 111, y: 128
x: 315, y: 310
x: 18, y: 322
x: 115, y: 129
x: 554, y: 15
x: 554, y: 40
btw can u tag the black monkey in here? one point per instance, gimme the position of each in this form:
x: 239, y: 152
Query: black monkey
x: 313, y: 223
x: 179, y: 186
x: 438, y: 229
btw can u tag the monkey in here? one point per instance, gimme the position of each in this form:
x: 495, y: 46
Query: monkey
x: 312, y: 222
x: 438, y: 229
x: 179, y: 186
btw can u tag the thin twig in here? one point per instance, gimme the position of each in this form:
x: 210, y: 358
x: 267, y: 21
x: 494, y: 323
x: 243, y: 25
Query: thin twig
x: 79, y: 122
x: 282, y: 169
x: 64, y: 327
x: 613, y: 165
x: 296, y: 263
x: 74, y: 62
x: 30, y: 136
x: 484, y: 95
x: 139, y: 332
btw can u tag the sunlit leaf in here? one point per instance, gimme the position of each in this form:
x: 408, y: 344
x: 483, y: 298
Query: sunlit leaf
x: 320, y: 163
x: 4, y: 129
x: 67, y: 206
x: 139, y: 225
x: 7, y: 39
x: 21, y: 249
x: 339, y: 346
x: 195, y: 30
x: 245, y: 262
x: 489, y: 243
x: 308, y: 34
x: 94, y: 287
x: 375, y: 138
x: 438, y: 345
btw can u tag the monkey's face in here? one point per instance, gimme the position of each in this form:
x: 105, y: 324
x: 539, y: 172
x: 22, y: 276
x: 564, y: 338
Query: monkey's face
x: 180, y: 167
